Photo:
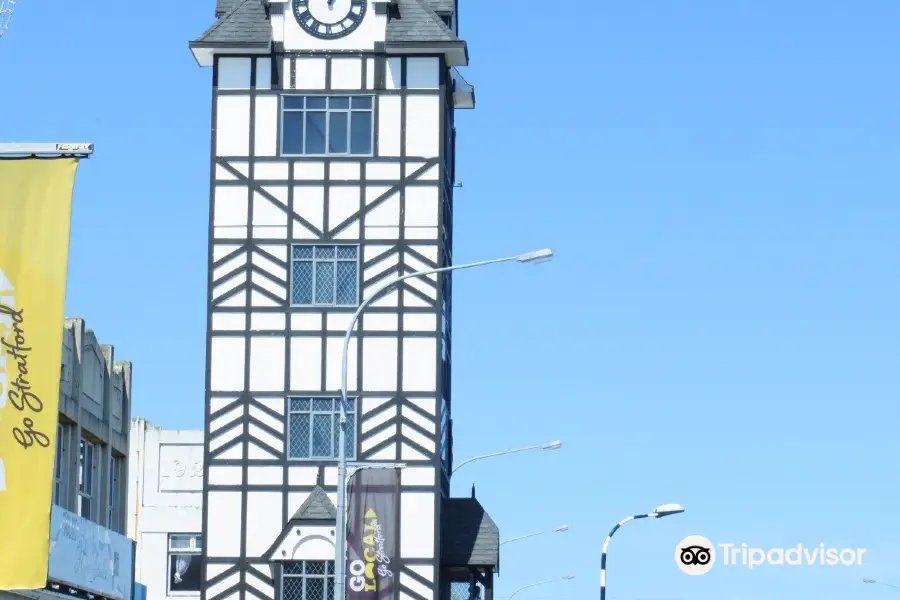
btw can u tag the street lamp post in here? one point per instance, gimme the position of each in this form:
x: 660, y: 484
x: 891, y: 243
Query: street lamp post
x: 559, y: 529
x: 661, y: 511
x: 554, y: 445
x: 531, y: 585
x: 340, y: 548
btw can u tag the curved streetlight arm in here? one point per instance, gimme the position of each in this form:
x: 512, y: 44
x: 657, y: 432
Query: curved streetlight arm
x: 663, y: 510
x: 341, y: 520
x: 492, y: 455
x: 531, y: 585
x: 891, y: 585
x: 530, y: 535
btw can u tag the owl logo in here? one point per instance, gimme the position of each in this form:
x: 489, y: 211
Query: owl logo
x: 695, y: 555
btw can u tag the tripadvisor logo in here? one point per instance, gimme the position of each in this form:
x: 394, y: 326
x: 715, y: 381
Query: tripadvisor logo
x: 696, y: 555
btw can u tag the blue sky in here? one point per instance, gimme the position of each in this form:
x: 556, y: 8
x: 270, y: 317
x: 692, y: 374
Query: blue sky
x: 719, y: 327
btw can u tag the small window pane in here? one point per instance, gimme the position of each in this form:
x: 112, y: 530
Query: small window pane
x: 315, y: 102
x: 337, y: 133
x: 303, y: 252
x: 350, y: 440
x: 336, y: 428
x: 292, y: 133
x: 361, y: 133
x: 362, y: 102
x: 346, y: 252
x: 180, y: 542
x: 345, y: 283
x: 299, y: 436
x: 324, y: 251
x: 299, y: 404
x: 315, y: 567
x: 315, y: 133
x: 323, y: 404
x: 324, y: 282
x: 302, y: 282
x: 293, y: 102
x: 339, y: 102
x: 321, y: 435
x: 315, y: 588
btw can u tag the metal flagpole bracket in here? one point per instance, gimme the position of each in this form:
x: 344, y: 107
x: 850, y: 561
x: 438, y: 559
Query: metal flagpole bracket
x: 47, y: 149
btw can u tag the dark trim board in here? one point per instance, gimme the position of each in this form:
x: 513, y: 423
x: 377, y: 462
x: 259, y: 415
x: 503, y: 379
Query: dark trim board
x: 204, y: 511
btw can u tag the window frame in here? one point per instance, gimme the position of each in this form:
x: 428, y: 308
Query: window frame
x: 328, y: 577
x: 58, y: 463
x: 83, y: 494
x: 334, y: 261
x: 327, y: 111
x: 196, y: 549
x: 114, y: 492
x: 353, y: 411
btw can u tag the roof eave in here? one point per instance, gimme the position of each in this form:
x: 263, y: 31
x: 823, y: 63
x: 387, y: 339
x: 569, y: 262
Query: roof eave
x: 204, y: 52
x: 456, y: 52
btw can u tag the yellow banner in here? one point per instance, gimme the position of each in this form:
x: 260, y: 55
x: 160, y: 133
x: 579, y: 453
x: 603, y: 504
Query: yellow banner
x: 35, y: 217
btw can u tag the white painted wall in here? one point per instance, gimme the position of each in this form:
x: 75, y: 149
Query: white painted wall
x: 164, y: 496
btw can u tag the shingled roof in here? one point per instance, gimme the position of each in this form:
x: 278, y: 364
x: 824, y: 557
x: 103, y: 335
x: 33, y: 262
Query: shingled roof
x: 469, y: 537
x: 244, y: 22
x: 318, y: 507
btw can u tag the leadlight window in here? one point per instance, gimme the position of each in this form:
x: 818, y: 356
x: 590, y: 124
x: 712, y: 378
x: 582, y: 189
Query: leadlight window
x: 308, y: 580
x: 327, y: 125
x: 315, y: 426
x: 324, y: 275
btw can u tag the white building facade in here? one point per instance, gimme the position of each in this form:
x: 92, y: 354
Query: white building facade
x: 165, y: 496
x: 332, y: 172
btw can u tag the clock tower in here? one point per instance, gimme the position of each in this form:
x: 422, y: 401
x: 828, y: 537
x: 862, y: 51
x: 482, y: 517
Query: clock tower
x: 331, y: 173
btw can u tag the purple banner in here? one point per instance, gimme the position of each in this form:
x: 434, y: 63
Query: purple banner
x: 373, y: 500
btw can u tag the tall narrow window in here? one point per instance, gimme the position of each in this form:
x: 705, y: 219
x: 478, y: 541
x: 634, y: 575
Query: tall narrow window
x: 185, y: 570
x: 58, y: 463
x: 87, y: 454
x: 115, y: 477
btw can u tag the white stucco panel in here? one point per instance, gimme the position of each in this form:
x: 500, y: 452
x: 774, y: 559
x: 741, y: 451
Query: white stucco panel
x: 417, y: 525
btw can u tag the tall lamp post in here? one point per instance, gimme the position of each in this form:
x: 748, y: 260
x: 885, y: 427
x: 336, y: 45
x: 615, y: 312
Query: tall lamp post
x: 661, y: 511
x: 340, y: 554
x: 554, y: 445
x: 559, y: 529
x: 531, y: 585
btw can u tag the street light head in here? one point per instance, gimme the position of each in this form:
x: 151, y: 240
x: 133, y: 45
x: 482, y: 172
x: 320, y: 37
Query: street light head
x: 562, y: 528
x: 538, y: 256
x: 865, y: 580
x: 664, y: 510
x: 554, y: 445
x: 568, y: 577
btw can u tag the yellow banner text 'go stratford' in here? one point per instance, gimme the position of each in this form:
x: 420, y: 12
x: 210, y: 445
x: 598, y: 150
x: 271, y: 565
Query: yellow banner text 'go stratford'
x: 35, y: 217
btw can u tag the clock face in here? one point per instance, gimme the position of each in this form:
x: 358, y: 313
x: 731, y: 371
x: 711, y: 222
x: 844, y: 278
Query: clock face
x: 329, y: 19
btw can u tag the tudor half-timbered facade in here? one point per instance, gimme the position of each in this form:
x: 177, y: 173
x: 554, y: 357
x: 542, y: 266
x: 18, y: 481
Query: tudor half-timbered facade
x: 332, y: 172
